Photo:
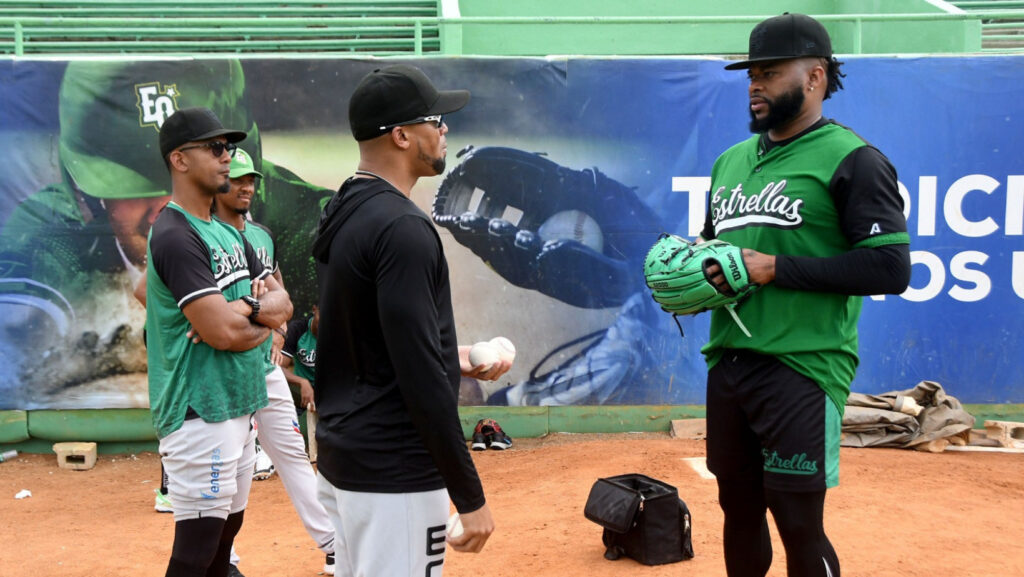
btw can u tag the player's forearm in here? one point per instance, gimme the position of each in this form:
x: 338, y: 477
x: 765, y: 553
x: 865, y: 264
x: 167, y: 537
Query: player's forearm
x: 275, y: 308
x: 441, y: 432
x: 425, y: 383
x: 861, y: 272
x: 248, y: 338
x: 291, y: 377
x: 237, y: 334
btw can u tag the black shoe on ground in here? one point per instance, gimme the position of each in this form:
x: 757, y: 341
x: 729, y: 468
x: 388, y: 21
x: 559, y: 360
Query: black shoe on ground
x: 497, y: 439
x: 500, y: 441
x: 479, y: 436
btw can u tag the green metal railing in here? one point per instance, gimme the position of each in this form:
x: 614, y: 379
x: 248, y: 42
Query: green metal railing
x: 169, y: 29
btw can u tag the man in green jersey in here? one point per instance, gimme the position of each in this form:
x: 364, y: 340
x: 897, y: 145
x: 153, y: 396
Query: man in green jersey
x: 204, y: 281
x: 276, y: 425
x: 818, y: 215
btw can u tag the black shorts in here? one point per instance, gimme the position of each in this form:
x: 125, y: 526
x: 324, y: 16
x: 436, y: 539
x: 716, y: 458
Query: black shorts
x: 765, y: 419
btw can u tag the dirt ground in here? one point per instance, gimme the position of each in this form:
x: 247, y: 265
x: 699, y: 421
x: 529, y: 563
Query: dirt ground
x: 897, y: 513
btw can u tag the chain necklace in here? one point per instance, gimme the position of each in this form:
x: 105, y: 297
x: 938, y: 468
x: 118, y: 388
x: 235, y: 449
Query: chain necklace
x: 377, y: 176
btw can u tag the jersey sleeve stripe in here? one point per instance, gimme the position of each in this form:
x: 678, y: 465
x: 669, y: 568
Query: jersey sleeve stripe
x: 884, y: 239
x: 196, y: 294
x: 232, y: 278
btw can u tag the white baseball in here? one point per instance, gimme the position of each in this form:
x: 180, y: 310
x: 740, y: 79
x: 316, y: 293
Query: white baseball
x: 506, y: 350
x: 483, y: 354
x: 454, y: 526
x: 573, y: 225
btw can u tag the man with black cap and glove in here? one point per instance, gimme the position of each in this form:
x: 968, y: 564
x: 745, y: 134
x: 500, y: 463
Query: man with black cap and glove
x: 820, y: 221
x: 391, y: 450
x: 202, y: 280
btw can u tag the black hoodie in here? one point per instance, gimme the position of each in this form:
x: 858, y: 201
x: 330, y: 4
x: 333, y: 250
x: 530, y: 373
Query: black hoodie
x: 387, y: 371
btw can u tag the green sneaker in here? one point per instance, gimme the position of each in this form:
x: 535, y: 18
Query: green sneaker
x: 162, y: 503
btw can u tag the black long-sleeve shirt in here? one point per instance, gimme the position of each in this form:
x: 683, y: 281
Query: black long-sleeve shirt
x: 387, y: 369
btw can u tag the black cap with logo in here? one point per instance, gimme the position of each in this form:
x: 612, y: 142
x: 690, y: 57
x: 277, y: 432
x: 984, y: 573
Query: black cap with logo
x: 784, y: 37
x: 395, y: 94
x: 191, y: 125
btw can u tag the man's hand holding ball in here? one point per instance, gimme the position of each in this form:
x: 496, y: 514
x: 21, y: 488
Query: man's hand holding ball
x: 487, y: 360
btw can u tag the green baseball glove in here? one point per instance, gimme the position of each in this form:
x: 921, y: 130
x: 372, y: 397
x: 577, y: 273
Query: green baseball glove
x: 676, y: 272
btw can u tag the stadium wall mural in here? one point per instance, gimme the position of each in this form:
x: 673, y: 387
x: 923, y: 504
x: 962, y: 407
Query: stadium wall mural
x: 570, y: 167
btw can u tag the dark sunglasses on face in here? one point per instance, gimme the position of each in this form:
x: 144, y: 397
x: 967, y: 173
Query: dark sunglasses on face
x: 436, y: 120
x: 216, y: 147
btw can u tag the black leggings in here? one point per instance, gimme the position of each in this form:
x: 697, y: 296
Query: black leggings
x: 799, y: 519
x: 202, y: 547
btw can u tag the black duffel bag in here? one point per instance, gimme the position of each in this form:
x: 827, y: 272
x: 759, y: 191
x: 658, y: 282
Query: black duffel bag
x: 643, y: 519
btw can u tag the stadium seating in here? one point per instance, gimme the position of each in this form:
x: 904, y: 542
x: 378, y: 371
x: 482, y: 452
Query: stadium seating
x: 379, y: 27
x: 999, y: 34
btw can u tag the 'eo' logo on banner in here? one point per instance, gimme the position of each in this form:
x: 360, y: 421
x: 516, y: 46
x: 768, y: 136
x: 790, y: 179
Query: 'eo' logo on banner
x: 155, y: 104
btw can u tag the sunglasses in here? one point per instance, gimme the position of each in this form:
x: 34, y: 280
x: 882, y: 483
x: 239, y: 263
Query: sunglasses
x: 216, y: 147
x: 436, y: 120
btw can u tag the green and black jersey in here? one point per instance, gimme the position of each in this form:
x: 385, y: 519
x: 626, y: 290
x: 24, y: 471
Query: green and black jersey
x: 262, y: 241
x: 189, y: 258
x: 300, y: 346
x: 820, y: 194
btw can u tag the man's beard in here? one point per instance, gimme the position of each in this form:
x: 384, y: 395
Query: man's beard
x: 780, y: 111
x: 438, y: 164
x: 224, y: 188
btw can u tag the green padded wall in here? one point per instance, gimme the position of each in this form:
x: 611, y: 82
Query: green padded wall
x: 97, y: 425
x: 13, y: 426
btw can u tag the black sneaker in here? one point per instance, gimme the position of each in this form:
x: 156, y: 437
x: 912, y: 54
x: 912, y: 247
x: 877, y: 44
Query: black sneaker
x: 479, y: 436
x: 499, y: 441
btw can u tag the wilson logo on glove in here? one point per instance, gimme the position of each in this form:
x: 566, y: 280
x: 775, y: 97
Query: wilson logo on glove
x: 676, y: 271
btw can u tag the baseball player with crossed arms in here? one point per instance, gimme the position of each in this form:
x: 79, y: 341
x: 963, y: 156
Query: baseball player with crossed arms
x: 204, y: 390
x: 807, y: 214
x: 276, y: 425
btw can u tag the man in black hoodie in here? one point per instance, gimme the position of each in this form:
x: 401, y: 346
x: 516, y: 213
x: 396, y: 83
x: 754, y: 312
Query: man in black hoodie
x: 391, y: 448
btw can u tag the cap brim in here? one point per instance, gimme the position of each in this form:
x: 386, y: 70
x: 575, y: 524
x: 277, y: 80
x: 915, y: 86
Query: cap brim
x: 231, y: 135
x: 739, y: 65
x: 449, y: 101
x: 239, y: 172
x: 748, y: 63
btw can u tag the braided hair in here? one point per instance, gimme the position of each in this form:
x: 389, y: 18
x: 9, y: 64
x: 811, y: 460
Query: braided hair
x: 833, y: 75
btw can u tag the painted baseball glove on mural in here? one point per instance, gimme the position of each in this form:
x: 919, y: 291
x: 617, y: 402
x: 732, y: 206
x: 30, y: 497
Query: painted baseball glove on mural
x: 575, y: 235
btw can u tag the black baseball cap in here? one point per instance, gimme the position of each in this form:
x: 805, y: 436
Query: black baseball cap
x: 396, y: 94
x: 784, y: 37
x: 192, y: 124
